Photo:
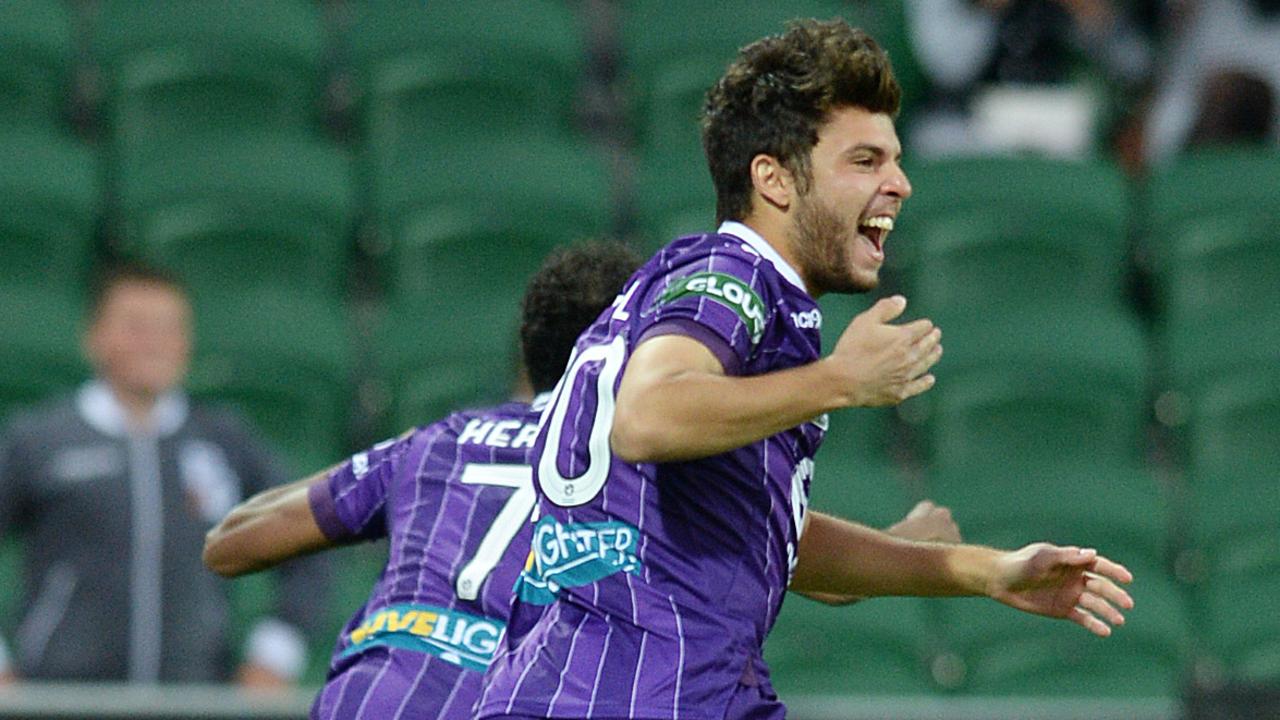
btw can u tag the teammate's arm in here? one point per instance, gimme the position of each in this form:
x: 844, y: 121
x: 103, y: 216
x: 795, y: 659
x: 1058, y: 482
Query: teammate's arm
x: 675, y: 401
x: 845, y: 558
x: 926, y: 521
x: 265, y: 530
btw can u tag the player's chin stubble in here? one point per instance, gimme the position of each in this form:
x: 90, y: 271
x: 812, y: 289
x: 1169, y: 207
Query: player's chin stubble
x: 822, y: 245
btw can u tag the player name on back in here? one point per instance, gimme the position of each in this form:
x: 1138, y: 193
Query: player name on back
x: 499, y: 433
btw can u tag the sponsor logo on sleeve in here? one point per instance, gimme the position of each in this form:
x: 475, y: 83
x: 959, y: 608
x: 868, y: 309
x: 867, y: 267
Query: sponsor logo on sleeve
x: 724, y: 289
x: 468, y: 641
x: 808, y: 320
x: 574, y: 555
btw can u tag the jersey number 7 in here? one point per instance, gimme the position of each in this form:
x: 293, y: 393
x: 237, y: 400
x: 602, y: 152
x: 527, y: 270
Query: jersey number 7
x: 516, y: 512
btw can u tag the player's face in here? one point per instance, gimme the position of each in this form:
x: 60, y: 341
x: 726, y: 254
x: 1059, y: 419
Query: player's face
x: 141, y: 340
x: 841, y: 222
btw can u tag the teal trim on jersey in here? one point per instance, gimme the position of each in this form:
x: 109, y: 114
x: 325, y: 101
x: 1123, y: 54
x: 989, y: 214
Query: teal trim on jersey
x: 575, y: 555
x: 465, y: 640
x: 724, y: 289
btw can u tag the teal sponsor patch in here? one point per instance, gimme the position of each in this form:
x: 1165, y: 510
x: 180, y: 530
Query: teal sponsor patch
x: 575, y: 555
x: 727, y: 290
x: 468, y: 641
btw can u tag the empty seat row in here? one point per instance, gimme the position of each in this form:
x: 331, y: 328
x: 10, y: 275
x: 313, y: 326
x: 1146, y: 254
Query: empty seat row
x: 1188, y: 622
x: 980, y: 234
x: 177, y: 66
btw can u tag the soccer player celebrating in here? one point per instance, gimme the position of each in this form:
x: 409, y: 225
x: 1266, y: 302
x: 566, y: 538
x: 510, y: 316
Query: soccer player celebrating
x: 673, y: 464
x: 454, y: 498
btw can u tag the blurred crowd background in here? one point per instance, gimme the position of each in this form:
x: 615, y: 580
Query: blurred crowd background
x: 354, y: 193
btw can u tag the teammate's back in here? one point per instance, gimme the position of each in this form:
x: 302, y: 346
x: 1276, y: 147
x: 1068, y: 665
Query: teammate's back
x: 453, y: 498
x: 450, y: 498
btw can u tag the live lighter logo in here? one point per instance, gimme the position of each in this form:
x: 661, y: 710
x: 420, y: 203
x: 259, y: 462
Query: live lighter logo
x: 576, y: 554
x: 465, y: 640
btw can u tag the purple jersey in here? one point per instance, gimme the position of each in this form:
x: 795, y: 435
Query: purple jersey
x: 454, y: 500
x: 651, y: 587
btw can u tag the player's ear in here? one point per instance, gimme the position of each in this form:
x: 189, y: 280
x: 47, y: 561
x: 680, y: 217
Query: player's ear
x: 771, y: 181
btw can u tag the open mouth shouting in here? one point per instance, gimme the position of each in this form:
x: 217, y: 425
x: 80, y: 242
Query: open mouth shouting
x: 875, y: 230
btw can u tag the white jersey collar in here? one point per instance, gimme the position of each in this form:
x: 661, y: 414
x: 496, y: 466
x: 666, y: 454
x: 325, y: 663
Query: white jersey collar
x: 540, y: 401
x: 763, y: 249
x: 100, y: 408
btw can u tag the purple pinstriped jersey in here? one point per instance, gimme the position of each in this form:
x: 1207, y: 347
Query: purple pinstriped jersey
x: 453, y: 499
x: 651, y: 587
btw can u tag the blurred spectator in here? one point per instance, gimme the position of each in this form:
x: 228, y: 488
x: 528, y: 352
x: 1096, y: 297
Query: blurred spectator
x: 1219, y: 79
x: 1004, y: 73
x: 111, y: 491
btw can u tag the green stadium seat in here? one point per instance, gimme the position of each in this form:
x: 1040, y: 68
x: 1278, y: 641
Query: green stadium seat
x: 1122, y: 510
x: 1214, y: 245
x: 254, y: 597
x: 1193, y: 354
x: 178, y: 67
x: 285, y: 361
x: 1026, y: 388
x: 1234, y: 426
x: 430, y: 71
x: 1237, y: 605
x: 887, y: 22
x: 456, y: 227
x: 236, y: 212
x: 880, y: 646
x: 1013, y: 231
x: 855, y: 476
x: 40, y: 356
x: 1232, y: 517
x: 36, y: 65
x: 433, y: 362
x: 1234, y: 543
x: 11, y: 584
x: 50, y: 209
x: 360, y: 566
x: 1205, y: 371
x: 674, y: 197
x: 1005, y: 652
x: 670, y: 57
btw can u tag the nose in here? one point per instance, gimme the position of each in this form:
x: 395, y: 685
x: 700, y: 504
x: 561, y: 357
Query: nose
x: 897, y: 185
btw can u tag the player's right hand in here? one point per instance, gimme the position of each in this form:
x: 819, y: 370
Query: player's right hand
x: 1071, y: 583
x: 883, y: 364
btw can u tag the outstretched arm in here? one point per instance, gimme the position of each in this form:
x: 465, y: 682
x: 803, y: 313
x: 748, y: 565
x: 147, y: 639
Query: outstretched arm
x: 675, y: 401
x: 265, y: 530
x: 845, y: 558
x: 926, y: 521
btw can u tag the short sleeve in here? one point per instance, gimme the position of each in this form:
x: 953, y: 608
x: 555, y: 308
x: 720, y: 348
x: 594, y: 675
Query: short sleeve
x: 350, y: 504
x: 719, y: 300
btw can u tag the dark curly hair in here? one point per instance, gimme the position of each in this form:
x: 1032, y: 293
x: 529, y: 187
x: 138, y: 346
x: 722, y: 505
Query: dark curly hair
x: 773, y: 98
x: 574, y: 285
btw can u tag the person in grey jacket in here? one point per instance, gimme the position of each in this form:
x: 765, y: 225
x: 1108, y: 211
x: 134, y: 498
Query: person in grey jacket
x: 111, y: 491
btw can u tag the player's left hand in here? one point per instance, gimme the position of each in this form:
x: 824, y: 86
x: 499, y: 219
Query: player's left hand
x: 254, y: 677
x: 1064, y: 582
x: 927, y: 522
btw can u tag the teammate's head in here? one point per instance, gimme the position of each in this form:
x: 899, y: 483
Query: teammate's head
x: 573, y: 286
x: 138, y: 333
x: 799, y: 132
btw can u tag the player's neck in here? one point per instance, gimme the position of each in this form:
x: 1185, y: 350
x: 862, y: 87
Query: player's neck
x: 775, y: 230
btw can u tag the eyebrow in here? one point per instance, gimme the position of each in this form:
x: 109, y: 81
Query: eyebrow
x: 877, y: 150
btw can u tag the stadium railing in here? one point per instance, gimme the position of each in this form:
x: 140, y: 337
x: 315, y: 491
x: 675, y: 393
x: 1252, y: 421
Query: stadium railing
x: 60, y: 701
